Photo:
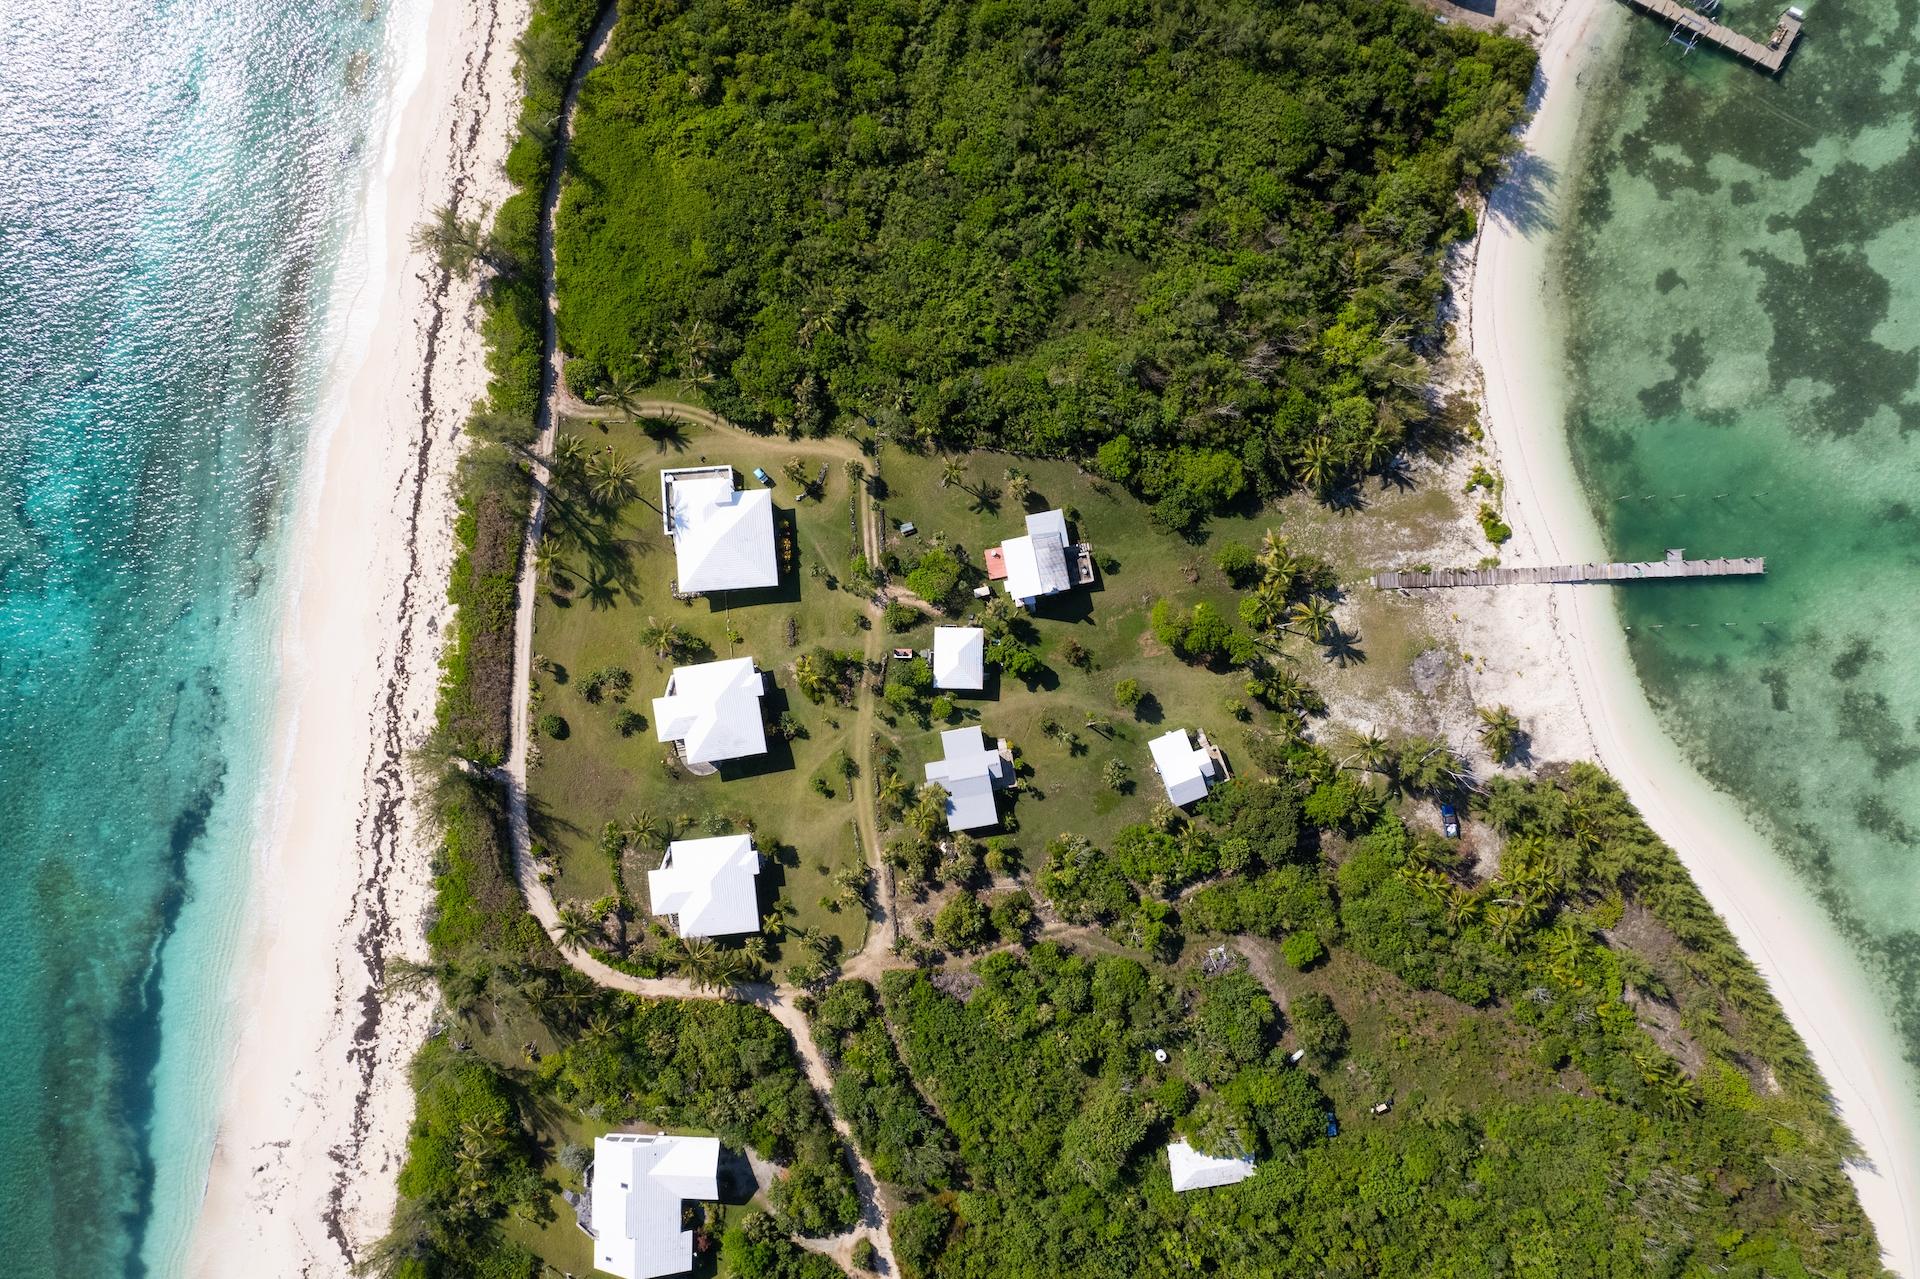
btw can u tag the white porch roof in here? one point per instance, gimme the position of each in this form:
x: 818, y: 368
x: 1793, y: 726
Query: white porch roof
x: 640, y: 1182
x: 1184, y: 769
x: 1192, y: 1170
x: 713, y: 709
x: 959, y: 657
x: 708, y: 885
x: 722, y: 536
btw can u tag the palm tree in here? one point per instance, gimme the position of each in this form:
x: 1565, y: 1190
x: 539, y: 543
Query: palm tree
x: 546, y: 560
x: 569, y: 455
x: 612, y: 478
x: 1276, y: 561
x: 1266, y: 609
x: 1314, y: 617
x: 891, y: 791
x: 645, y: 830
x: 952, y: 472
x: 1500, y: 730
x: 810, y: 677
x: 663, y: 638
x: 575, y: 927
x: 704, y: 963
x: 1317, y: 464
x: 1369, y: 751
x: 1018, y: 485
x: 1376, y: 448
x: 455, y: 243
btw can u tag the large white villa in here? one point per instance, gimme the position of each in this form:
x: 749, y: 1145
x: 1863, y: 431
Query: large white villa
x: 1041, y: 563
x: 722, y: 536
x: 970, y: 773
x: 707, y: 885
x: 959, y: 658
x: 1185, y: 770
x: 1192, y: 1170
x: 712, y: 711
x: 641, y: 1182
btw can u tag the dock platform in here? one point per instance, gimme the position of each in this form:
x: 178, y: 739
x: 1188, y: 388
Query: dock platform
x: 1675, y: 565
x: 1692, y: 27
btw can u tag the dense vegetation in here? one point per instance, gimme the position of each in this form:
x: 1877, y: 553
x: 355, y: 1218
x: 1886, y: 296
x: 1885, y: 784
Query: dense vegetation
x: 1199, y: 240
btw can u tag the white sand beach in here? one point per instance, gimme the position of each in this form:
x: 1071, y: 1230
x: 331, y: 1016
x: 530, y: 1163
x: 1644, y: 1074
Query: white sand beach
x: 313, y: 1122
x: 1560, y: 655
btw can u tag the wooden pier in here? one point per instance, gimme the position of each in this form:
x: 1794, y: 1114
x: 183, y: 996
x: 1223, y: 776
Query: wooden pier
x: 1692, y: 27
x: 1676, y: 565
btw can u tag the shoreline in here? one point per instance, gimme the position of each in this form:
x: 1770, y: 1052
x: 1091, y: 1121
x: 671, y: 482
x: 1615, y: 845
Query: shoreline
x: 1574, y: 638
x: 317, y: 1099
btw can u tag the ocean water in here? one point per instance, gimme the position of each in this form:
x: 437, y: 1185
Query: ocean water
x: 1737, y: 272
x: 182, y: 178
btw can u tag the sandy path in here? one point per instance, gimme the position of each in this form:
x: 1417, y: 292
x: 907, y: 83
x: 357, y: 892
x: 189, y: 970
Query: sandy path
x: 1574, y: 646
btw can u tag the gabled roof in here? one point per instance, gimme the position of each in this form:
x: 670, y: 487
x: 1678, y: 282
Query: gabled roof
x: 640, y: 1182
x: 969, y: 772
x: 1184, y: 769
x: 722, y: 536
x: 713, y: 709
x: 1192, y: 1170
x: 1037, y: 563
x: 959, y: 654
x: 708, y: 885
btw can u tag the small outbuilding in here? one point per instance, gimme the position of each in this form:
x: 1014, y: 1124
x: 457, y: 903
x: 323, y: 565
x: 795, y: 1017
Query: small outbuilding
x: 970, y: 773
x: 722, y: 536
x: 1185, y: 770
x: 959, y: 658
x: 640, y: 1183
x: 708, y: 886
x: 712, y: 711
x: 1192, y: 1170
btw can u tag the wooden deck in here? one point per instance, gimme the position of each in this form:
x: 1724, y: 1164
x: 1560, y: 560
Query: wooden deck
x: 1676, y: 565
x: 1691, y: 27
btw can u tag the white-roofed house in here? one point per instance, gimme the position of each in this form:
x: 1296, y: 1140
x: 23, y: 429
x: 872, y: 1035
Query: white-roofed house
x: 1185, y: 770
x: 970, y: 773
x: 641, y: 1182
x: 707, y: 885
x: 722, y: 536
x: 959, y: 657
x: 712, y: 711
x: 1043, y: 562
x: 1192, y: 1170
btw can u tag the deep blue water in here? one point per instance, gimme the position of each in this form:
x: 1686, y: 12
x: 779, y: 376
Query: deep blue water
x: 180, y: 181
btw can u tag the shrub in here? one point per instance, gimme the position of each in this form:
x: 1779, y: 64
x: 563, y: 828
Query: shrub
x: 962, y: 923
x: 935, y: 577
x: 865, y: 1256
x: 1319, y: 1028
x: 1127, y: 694
x: 1492, y: 525
x: 1235, y: 560
x: 629, y: 721
x: 900, y: 616
x: 1117, y: 776
x: 554, y: 726
x: 1302, y: 950
x: 942, y: 708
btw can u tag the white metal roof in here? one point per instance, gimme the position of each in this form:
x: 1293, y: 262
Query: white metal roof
x: 708, y: 885
x: 969, y: 772
x: 1184, y: 769
x: 722, y: 536
x: 1192, y: 1170
x: 959, y: 657
x: 1037, y: 563
x: 640, y: 1182
x: 714, y: 710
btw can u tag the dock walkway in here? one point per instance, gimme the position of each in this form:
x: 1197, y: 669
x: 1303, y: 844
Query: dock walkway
x: 1691, y: 27
x: 1676, y: 565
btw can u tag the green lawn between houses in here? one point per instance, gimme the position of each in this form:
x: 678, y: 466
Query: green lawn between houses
x: 595, y: 776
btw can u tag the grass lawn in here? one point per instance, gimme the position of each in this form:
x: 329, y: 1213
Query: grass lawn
x: 595, y: 776
x: 1062, y: 790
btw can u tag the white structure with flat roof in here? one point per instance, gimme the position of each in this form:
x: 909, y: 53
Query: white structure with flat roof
x: 1194, y: 1171
x: 641, y: 1181
x: 1185, y: 770
x: 707, y: 885
x: 959, y: 657
x: 1037, y: 563
x: 713, y: 711
x: 722, y: 536
x: 970, y: 773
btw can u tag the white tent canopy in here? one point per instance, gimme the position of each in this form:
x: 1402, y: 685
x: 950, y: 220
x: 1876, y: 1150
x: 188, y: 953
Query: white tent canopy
x: 1192, y: 1170
x: 722, y: 536
x: 959, y: 657
x: 713, y: 711
x: 969, y: 773
x: 640, y: 1183
x: 1037, y: 563
x: 708, y: 885
x: 1185, y: 770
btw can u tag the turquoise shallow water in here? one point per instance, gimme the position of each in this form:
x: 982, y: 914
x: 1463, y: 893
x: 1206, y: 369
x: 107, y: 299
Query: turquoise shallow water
x: 1738, y: 272
x: 181, y: 178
